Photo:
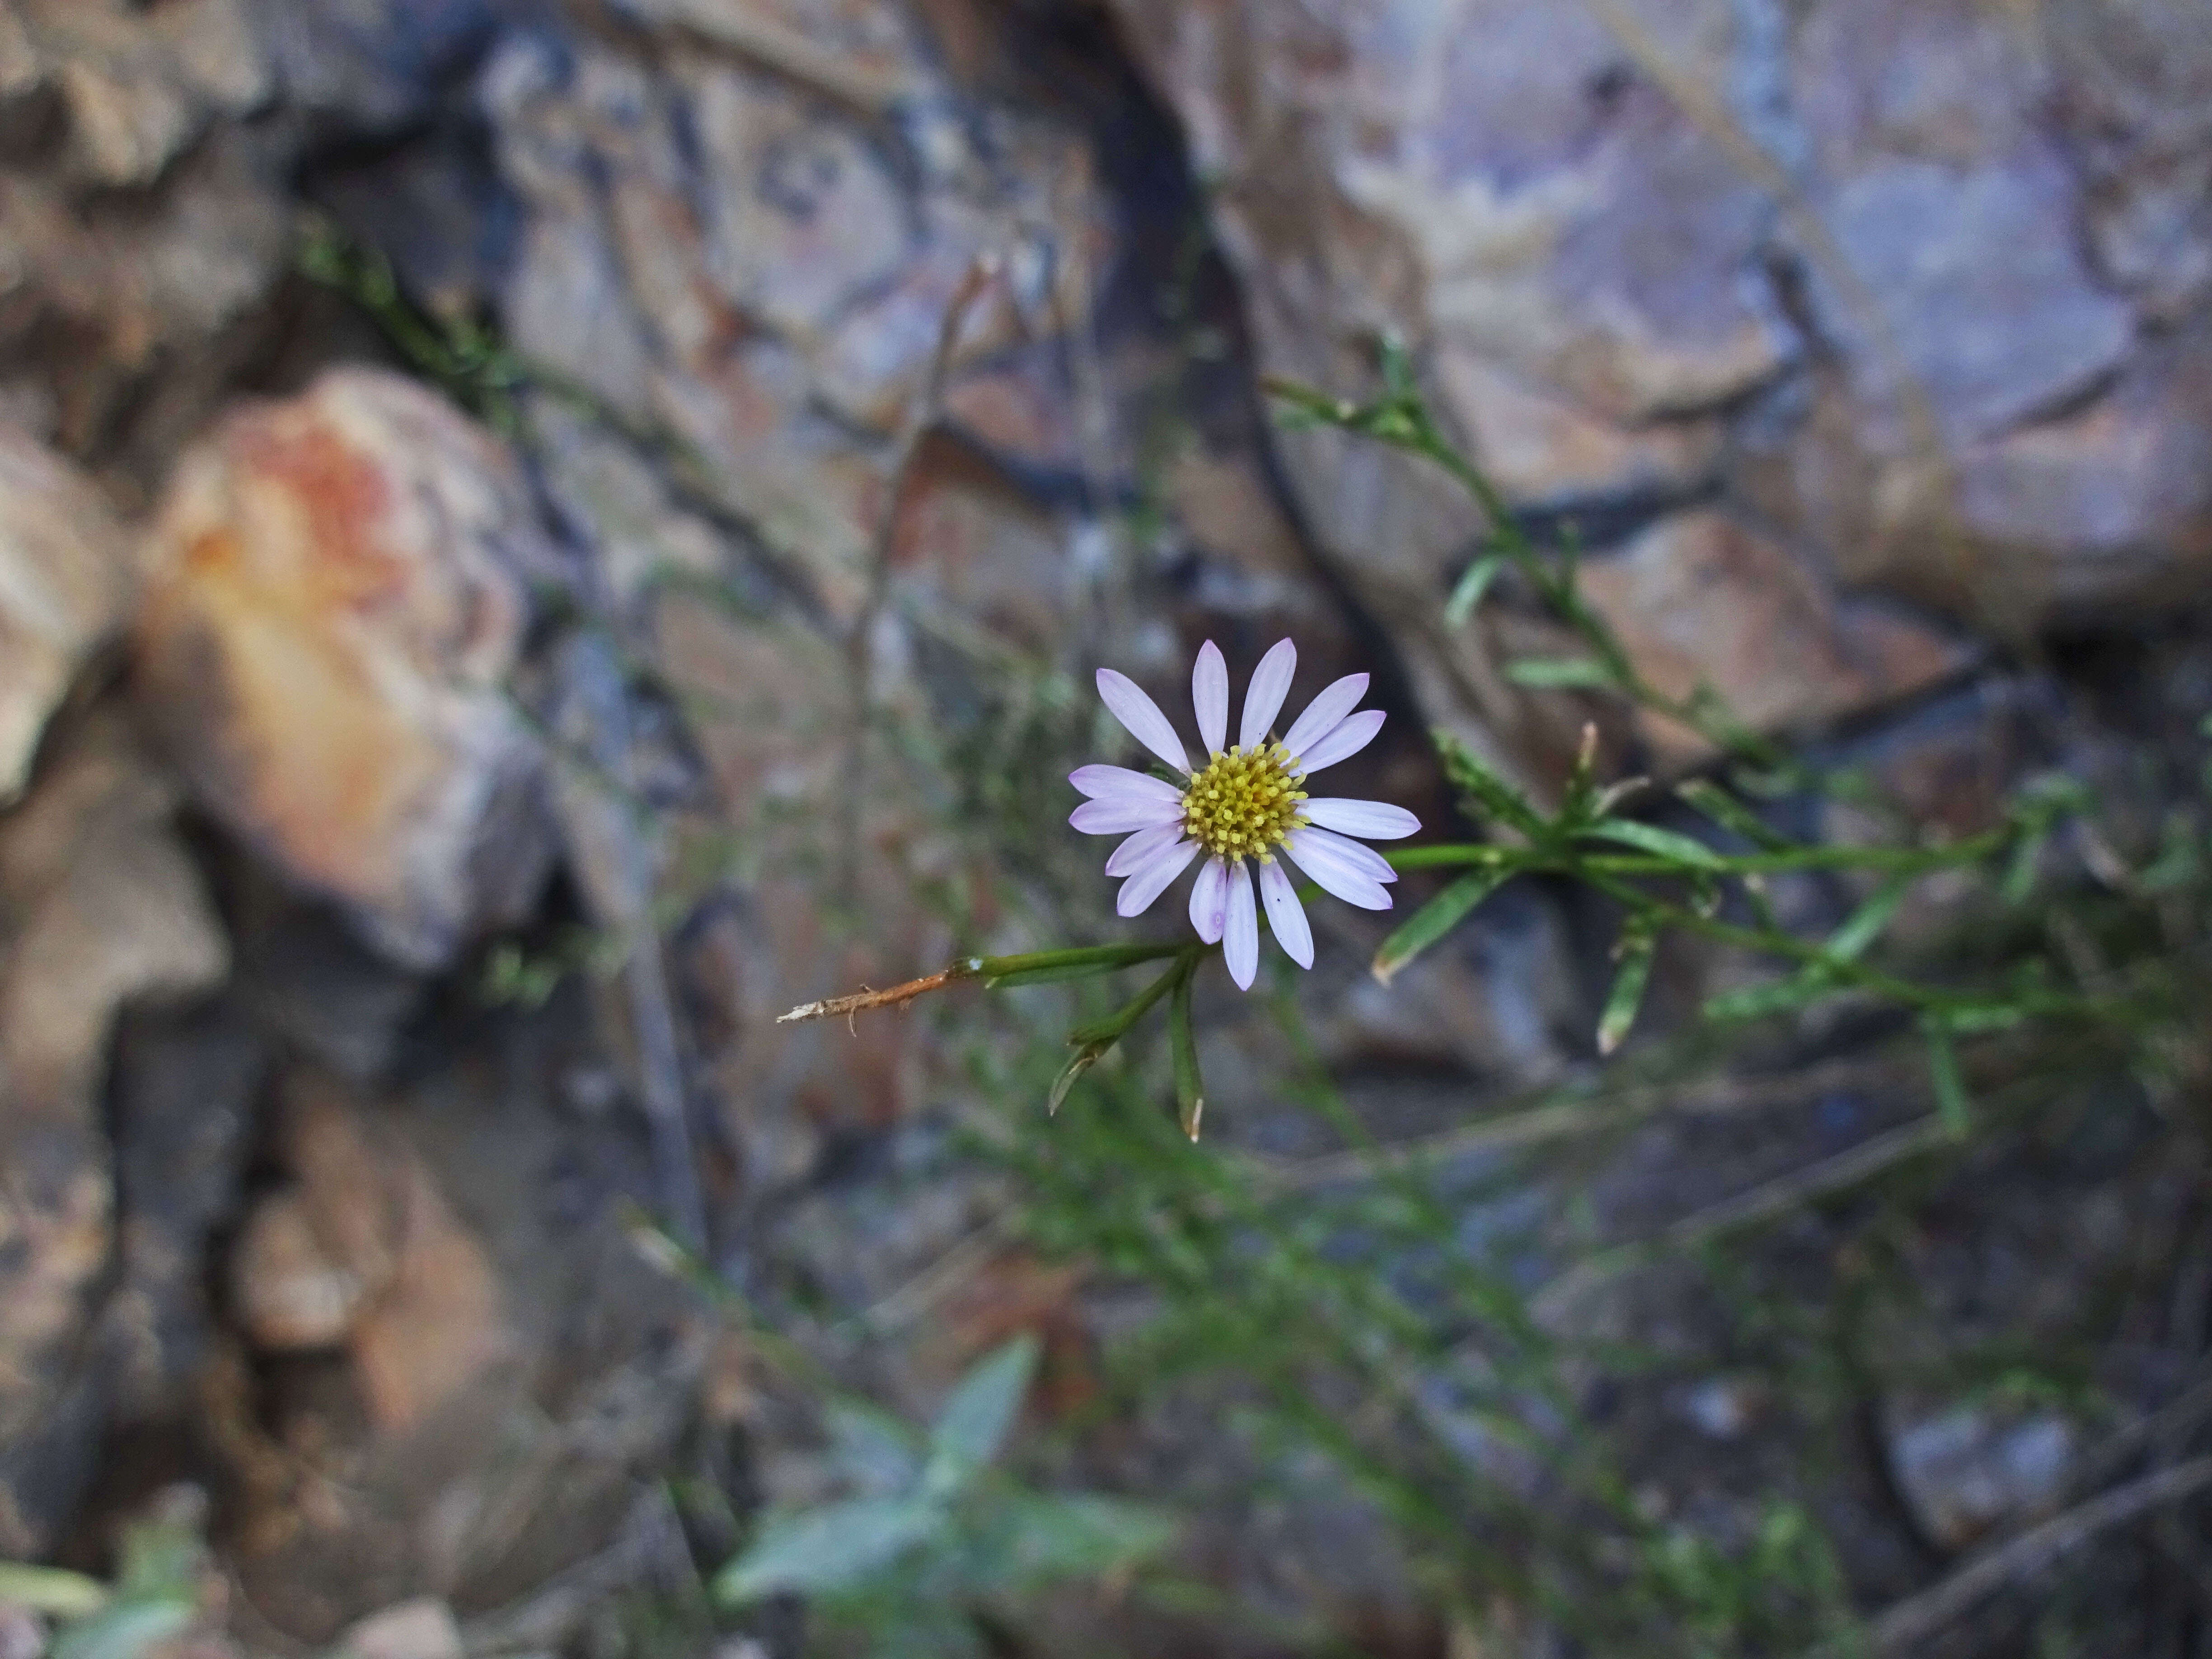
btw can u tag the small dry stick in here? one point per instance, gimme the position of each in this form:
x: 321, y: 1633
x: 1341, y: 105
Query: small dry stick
x: 2032, y: 1553
x: 897, y: 996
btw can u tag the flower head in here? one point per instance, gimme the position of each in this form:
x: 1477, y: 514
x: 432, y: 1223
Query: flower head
x: 1246, y: 805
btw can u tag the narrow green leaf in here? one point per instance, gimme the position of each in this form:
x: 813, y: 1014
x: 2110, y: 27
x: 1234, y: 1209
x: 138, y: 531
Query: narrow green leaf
x: 1780, y: 996
x: 2021, y: 868
x: 1489, y: 794
x: 1578, y: 805
x: 1083, y: 1059
x: 1467, y: 593
x: 1662, y: 844
x: 977, y: 1417
x: 1863, y: 926
x: 834, y: 1547
x: 1561, y: 674
x: 1105, y: 1033
x: 1397, y: 365
x: 1626, y: 996
x: 1182, y: 1043
x: 1950, y: 1086
x: 1983, y: 1016
x: 1725, y: 810
x: 1049, y: 967
x: 1434, y: 920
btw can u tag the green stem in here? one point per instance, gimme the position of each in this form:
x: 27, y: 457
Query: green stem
x: 1042, y: 967
x: 1891, y: 860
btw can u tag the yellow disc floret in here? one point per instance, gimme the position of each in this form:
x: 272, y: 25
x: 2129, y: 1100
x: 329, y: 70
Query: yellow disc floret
x: 1245, y: 803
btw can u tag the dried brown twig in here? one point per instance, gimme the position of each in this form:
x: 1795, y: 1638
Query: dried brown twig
x: 864, y: 999
x: 2034, y: 1552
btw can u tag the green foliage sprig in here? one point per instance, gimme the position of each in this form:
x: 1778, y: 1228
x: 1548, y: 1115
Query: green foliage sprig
x: 1665, y: 881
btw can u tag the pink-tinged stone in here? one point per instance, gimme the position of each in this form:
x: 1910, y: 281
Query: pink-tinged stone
x: 1541, y: 449
x: 334, y: 600
x: 1700, y: 598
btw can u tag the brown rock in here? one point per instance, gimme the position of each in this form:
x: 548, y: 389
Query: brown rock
x: 775, y: 724
x: 723, y: 256
x: 64, y: 570
x: 855, y: 52
x: 139, y: 84
x: 1574, y: 261
x: 334, y: 601
x: 290, y: 1291
x: 437, y: 1325
x: 2138, y: 85
x: 1967, y: 1471
x: 1495, y: 178
x: 107, y: 281
x: 513, y: 1369
x: 875, y: 366
x: 363, y: 1251
x: 1541, y: 450
x: 2108, y: 508
x: 100, y: 908
x: 1701, y: 599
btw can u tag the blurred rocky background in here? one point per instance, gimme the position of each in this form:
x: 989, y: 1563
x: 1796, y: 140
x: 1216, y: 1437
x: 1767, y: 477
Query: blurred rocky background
x: 536, y: 534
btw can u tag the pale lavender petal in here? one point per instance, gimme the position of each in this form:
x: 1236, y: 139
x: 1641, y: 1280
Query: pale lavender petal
x: 1240, y: 933
x: 1286, y: 915
x: 1366, y: 859
x: 1209, y: 900
x: 1374, y: 819
x: 1108, y: 782
x: 1352, y: 734
x: 1124, y: 813
x: 1140, y: 847
x: 1323, y: 714
x: 1263, y: 698
x: 1209, y: 696
x: 1317, y: 859
x: 1150, y: 880
x: 1142, y: 717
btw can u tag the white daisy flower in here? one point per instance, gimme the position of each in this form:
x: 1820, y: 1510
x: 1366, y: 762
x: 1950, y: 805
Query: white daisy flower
x: 1243, y: 805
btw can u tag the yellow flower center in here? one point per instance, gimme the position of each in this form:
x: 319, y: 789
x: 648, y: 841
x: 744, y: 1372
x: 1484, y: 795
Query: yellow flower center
x: 1245, y: 803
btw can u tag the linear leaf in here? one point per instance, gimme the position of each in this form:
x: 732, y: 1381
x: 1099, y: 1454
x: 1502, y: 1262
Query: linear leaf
x: 1468, y: 594
x: 1725, y: 810
x: 1434, y: 920
x: 2021, y: 870
x: 1049, y: 967
x: 1950, y: 1086
x: 1182, y: 1043
x: 1081, y: 1061
x: 1662, y: 844
x: 1491, y: 795
x: 1561, y: 674
x: 1629, y: 980
x: 1983, y: 1016
x: 1780, y: 996
x: 1850, y: 942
